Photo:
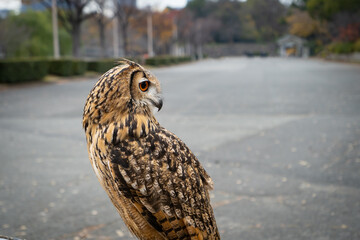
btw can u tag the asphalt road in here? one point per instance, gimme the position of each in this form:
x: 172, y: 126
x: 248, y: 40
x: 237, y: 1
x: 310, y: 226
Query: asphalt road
x: 280, y: 138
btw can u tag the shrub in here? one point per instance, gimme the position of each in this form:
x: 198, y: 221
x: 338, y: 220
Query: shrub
x: 166, y: 60
x: 61, y: 67
x: 341, y: 47
x: 14, y: 71
x: 357, y: 46
x: 101, y: 66
x: 79, y: 67
x: 22, y: 70
x: 151, y: 61
x: 67, y: 67
x: 185, y: 59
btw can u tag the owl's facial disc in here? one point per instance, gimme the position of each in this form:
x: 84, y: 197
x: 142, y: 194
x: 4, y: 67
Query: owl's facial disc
x: 151, y: 95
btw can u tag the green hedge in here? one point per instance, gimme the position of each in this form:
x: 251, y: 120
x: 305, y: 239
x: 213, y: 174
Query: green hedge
x: 101, y: 66
x: 357, y: 46
x: 22, y: 70
x: 12, y: 71
x: 61, y: 67
x: 67, y: 67
x: 166, y: 60
x: 79, y: 67
x: 341, y: 47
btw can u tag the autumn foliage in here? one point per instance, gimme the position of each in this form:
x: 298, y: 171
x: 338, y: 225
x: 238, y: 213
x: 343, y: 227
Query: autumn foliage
x: 329, y: 25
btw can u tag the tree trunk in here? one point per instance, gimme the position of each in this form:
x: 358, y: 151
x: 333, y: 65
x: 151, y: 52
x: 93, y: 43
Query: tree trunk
x: 123, y: 30
x: 102, y: 37
x: 76, y: 34
x: 125, y: 40
x: 199, y: 51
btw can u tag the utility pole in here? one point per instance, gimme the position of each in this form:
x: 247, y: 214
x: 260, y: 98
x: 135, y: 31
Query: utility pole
x: 116, y: 36
x: 175, y: 38
x: 199, y: 50
x: 55, y: 30
x: 150, y: 33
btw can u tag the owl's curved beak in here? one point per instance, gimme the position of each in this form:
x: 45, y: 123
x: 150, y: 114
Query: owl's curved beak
x: 159, y: 104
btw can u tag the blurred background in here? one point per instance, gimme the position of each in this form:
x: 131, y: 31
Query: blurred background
x: 266, y: 93
x: 198, y: 28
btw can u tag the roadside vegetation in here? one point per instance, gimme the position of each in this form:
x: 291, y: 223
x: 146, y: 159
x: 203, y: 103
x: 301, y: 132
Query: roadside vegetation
x: 86, y: 30
x: 35, y: 69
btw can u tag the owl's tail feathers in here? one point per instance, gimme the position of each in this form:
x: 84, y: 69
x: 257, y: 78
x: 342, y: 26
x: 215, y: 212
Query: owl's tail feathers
x: 197, y: 234
x: 175, y: 228
x: 8, y: 238
x: 172, y: 227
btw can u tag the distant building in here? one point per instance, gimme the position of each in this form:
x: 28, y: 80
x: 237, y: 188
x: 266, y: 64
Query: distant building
x: 292, y: 46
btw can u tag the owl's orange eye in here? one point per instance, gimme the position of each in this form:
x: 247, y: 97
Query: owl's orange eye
x: 144, y: 86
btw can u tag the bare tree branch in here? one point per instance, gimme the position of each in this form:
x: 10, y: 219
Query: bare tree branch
x: 71, y: 14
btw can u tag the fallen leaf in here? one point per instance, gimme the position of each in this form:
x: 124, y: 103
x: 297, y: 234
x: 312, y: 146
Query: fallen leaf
x: 120, y: 233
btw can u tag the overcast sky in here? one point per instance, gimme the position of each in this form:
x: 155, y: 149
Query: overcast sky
x: 161, y: 4
x: 156, y: 4
x: 10, y: 4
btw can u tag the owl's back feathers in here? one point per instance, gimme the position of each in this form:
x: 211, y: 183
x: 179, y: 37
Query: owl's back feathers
x: 166, y: 180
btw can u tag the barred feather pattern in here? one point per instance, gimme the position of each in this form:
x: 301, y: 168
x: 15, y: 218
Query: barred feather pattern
x: 153, y: 179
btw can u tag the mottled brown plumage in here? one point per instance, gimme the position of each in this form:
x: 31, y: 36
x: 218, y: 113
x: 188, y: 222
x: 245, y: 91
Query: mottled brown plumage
x: 155, y: 182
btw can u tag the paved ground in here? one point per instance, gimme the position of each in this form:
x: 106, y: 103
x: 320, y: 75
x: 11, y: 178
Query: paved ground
x: 280, y: 138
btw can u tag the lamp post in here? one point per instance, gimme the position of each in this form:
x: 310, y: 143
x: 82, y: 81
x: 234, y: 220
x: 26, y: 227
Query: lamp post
x: 150, y: 33
x: 116, y: 36
x: 55, y: 30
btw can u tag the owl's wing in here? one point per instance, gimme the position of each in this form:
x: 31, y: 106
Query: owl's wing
x: 166, y: 183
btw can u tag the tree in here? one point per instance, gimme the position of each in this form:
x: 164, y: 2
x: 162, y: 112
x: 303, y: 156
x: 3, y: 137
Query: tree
x: 343, y: 17
x: 163, y: 27
x: 228, y: 14
x: 299, y: 4
x: 204, y: 29
x: 302, y: 24
x: 269, y: 18
x: 102, y: 21
x: 125, y: 10
x: 327, y: 9
x: 75, y: 15
x: 345, y: 26
x: 71, y: 13
x: 200, y: 8
x: 185, y: 23
x: 29, y: 34
x: 11, y: 37
x: 195, y: 31
x: 239, y: 21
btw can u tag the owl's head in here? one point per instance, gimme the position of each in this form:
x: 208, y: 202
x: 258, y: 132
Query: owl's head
x: 124, y: 90
x: 145, y: 90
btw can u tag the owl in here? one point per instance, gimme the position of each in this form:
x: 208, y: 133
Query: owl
x: 156, y: 183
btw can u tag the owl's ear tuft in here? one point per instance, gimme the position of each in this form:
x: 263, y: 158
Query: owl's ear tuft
x: 123, y: 61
